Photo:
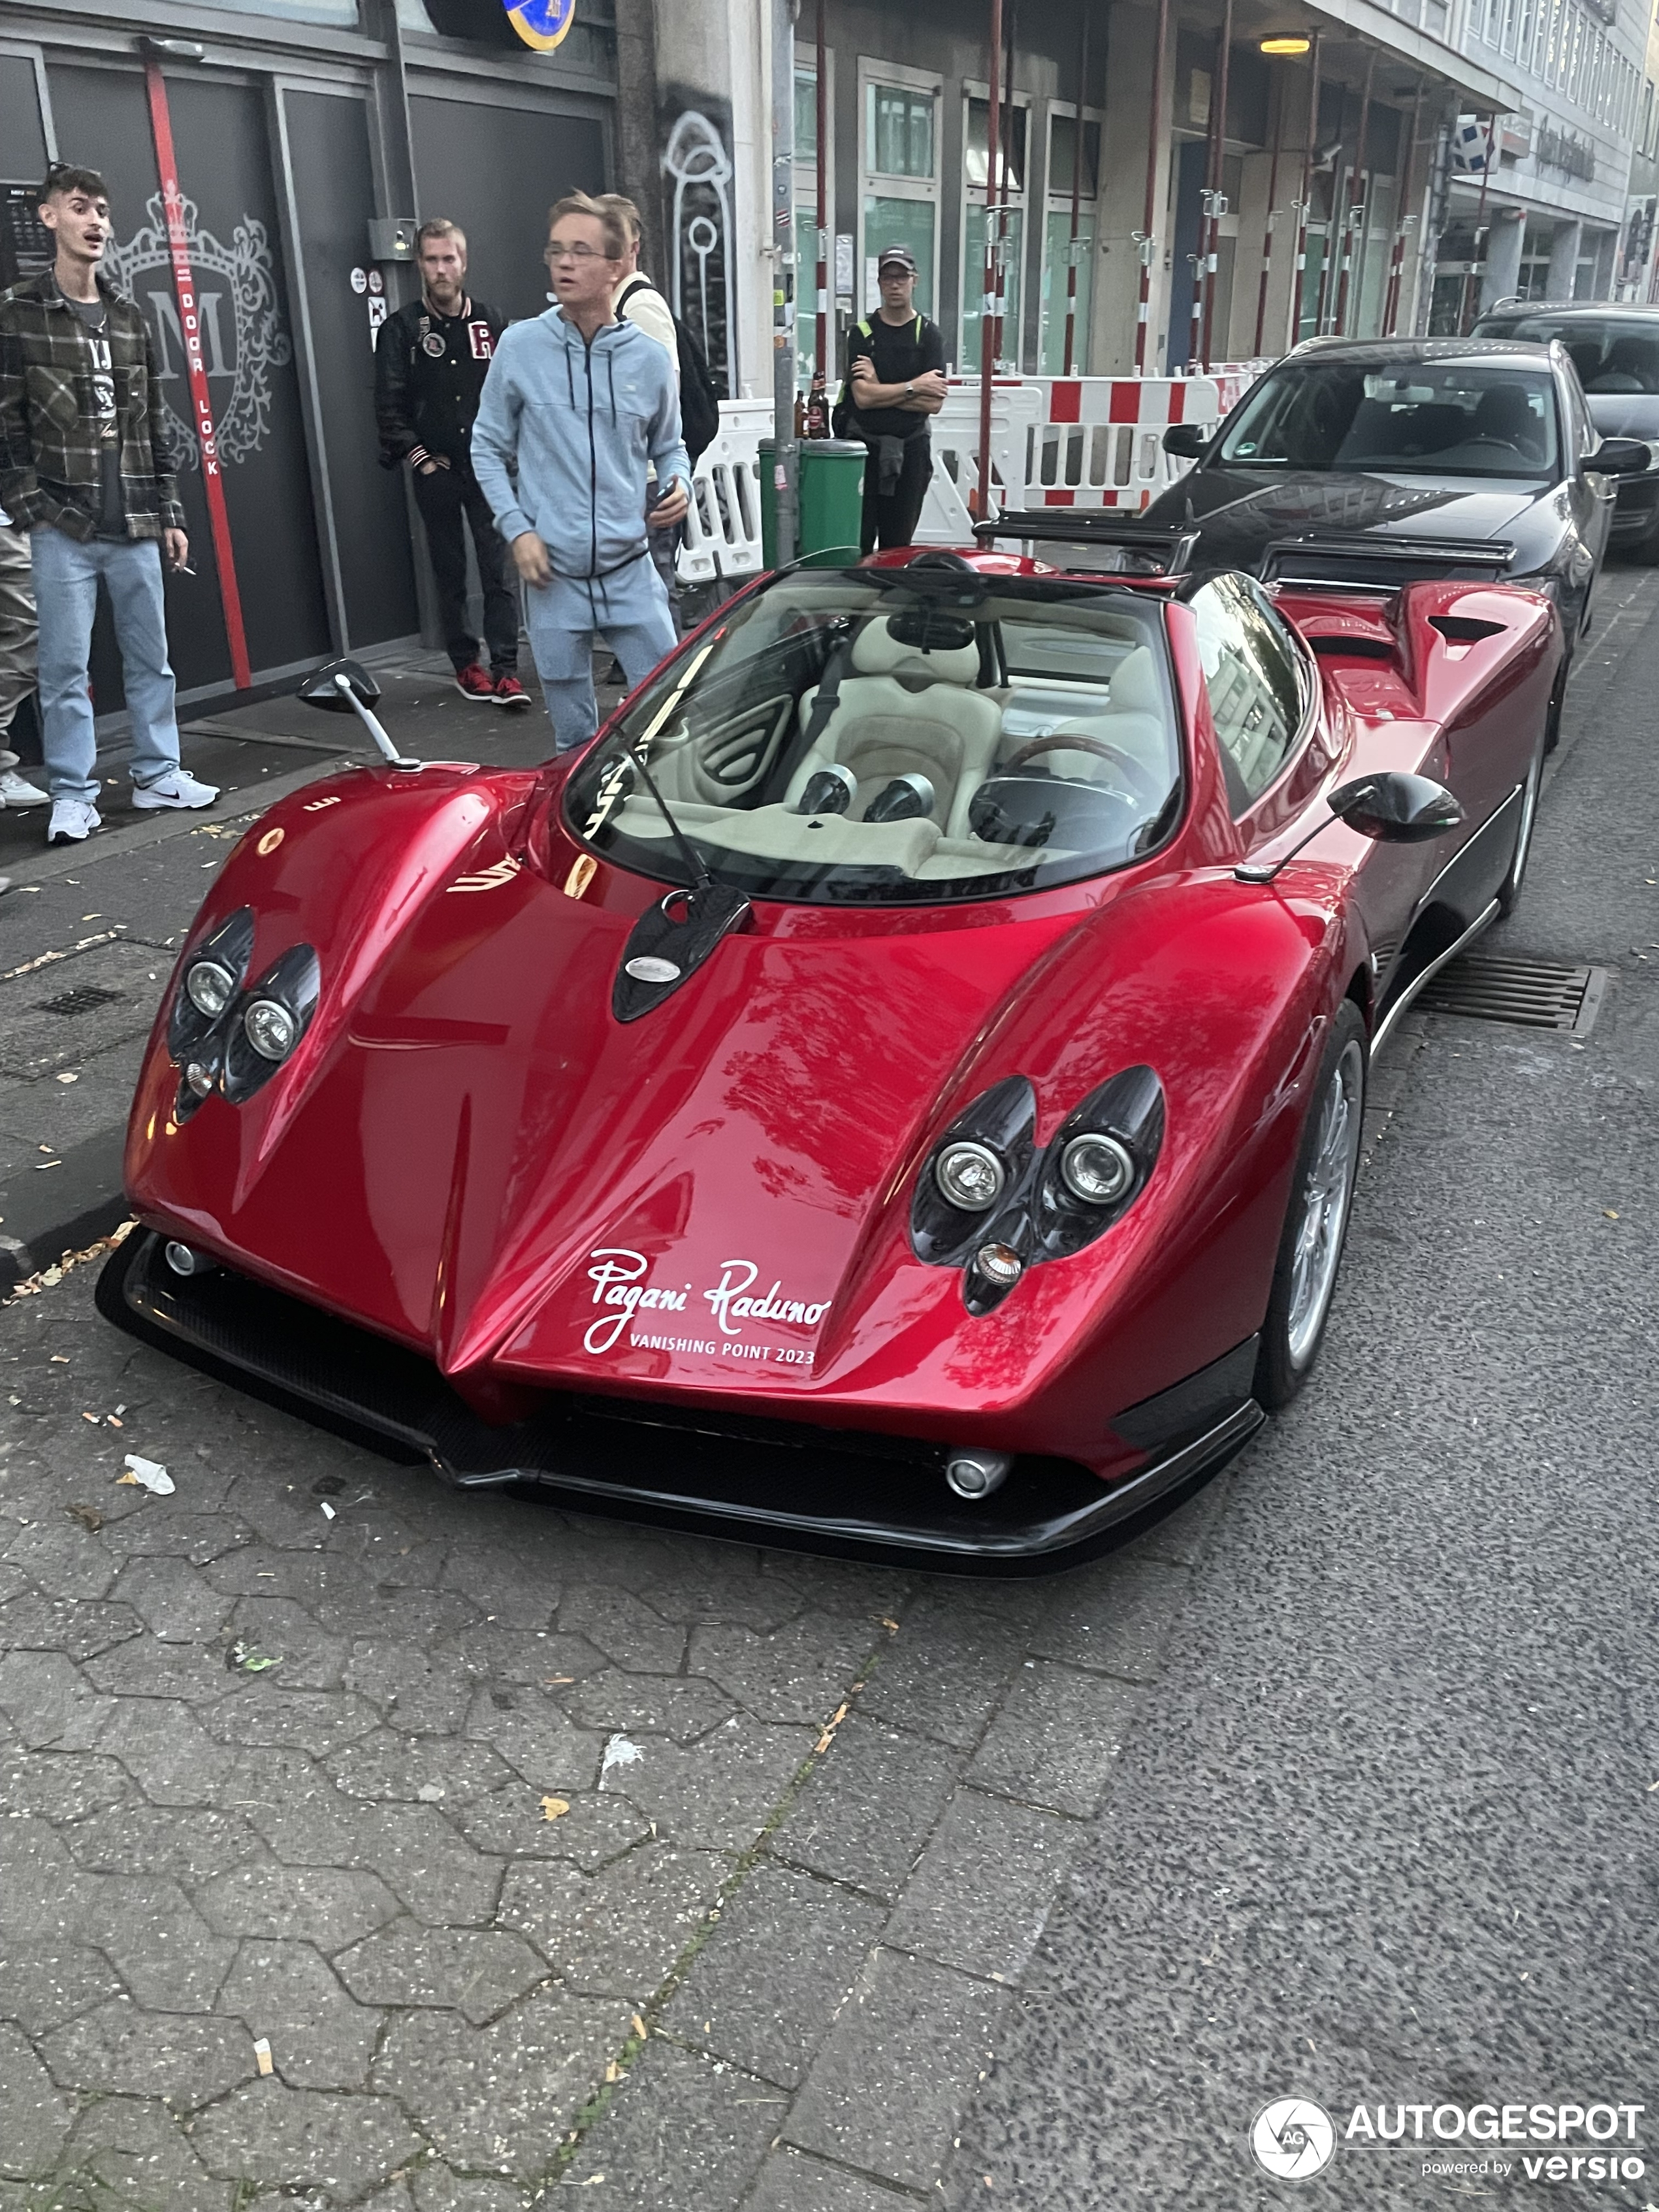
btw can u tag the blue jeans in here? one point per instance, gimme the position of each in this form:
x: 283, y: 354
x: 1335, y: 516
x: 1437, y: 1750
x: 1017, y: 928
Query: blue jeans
x: 562, y: 618
x: 66, y: 575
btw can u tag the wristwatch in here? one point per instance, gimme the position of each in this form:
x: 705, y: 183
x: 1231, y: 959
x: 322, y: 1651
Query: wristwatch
x: 909, y: 389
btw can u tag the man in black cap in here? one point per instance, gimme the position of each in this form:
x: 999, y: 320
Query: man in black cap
x: 894, y: 382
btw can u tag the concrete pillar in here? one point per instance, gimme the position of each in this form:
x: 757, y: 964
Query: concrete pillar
x: 1503, y: 242
x: 1132, y: 36
x: 713, y: 161
x: 1564, y: 260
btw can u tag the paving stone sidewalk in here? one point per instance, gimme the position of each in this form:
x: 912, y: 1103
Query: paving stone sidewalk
x: 516, y: 1787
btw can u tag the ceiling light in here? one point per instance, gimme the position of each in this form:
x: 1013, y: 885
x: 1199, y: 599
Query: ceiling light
x: 1288, y: 42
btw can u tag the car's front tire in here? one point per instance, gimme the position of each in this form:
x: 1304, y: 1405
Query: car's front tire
x: 1316, y: 1220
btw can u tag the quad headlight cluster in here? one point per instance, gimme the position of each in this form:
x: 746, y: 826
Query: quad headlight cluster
x: 227, y: 1035
x: 993, y: 1203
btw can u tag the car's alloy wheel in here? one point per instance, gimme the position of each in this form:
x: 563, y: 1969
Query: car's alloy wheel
x: 1317, y: 1222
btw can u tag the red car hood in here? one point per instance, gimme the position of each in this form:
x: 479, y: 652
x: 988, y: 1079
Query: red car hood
x: 471, y: 1154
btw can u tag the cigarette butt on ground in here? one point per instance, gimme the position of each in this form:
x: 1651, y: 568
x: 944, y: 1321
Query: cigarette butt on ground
x: 262, y: 2052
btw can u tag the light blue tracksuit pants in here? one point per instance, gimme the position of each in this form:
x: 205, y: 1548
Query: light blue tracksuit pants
x: 629, y: 609
x: 66, y: 574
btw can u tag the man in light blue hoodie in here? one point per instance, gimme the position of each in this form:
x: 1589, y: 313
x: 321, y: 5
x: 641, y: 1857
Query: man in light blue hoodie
x: 575, y: 405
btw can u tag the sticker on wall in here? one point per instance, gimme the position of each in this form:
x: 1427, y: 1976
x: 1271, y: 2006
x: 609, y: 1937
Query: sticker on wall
x: 377, y: 314
x: 541, y: 23
x: 376, y: 282
x: 242, y: 336
x: 359, y: 280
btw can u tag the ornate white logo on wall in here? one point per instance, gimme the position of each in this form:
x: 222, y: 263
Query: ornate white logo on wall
x: 242, y: 336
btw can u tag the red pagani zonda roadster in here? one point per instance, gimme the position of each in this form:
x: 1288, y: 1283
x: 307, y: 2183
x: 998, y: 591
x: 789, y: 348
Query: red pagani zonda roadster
x: 897, y: 1091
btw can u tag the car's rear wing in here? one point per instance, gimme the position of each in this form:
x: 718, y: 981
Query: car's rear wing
x: 1161, y: 551
x: 1340, y: 563
x: 1302, y: 558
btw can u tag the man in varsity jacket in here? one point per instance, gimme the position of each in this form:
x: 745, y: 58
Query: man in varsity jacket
x: 430, y: 361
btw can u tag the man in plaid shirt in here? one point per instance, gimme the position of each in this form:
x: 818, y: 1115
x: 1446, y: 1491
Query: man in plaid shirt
x: 83, y: 470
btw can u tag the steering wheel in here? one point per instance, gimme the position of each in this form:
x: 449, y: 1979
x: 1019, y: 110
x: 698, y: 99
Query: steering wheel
x: 1064, y: 741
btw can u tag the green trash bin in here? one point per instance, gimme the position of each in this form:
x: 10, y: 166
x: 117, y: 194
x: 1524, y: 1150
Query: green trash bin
x: 832, y: 495
x: 768, y: 499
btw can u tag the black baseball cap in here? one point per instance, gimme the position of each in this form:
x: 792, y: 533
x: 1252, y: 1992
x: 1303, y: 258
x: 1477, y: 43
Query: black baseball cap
x: 897, y: 256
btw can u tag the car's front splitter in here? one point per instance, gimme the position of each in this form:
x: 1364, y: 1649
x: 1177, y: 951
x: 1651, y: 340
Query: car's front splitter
x: 840, y: 1491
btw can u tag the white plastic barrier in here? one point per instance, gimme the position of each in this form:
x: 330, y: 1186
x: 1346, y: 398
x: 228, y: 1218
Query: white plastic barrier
x: 1088, y: 441
x: 723, y: 523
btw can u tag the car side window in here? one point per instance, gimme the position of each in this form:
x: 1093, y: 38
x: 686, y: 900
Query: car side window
x: 1255, y: 682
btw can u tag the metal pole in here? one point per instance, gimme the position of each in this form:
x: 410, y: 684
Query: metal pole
x: 1401, y: 220
x: 785, y: 467
x: 1463, y: 315
x: 1147, y: 242
x: 1076, y: 194
x: 987, y: 355
x: 820, y: 344
x: 1219, y: 170
x: 1301, y: 205
x: 1359, y: 203
x: 1268, y: 226
x: 1000, y: 232
x: 1339, y: 211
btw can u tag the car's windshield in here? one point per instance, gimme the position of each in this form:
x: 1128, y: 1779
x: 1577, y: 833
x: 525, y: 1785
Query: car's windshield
x: 1412, y: 418
x: 1618, y: 354
x: 915, y: 736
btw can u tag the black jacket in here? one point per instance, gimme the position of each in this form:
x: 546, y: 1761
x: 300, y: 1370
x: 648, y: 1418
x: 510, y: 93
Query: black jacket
x: 429, y: 371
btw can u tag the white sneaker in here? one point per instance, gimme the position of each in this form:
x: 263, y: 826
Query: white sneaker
x: 72, y: 821
x: 178, y: 787
x: 13, y: 792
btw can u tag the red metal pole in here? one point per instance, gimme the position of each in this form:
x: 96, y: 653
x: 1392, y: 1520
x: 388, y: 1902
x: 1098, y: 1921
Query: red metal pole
x: 1295, y: 330
x: 1219, y: 170
x: 1076, y: 194
x: 189, y: 326
x: 821, y: 343
x: 1480, y: 215
x: 1358, y: 200
x: 1269, y: 221
x: 987, y: 356
x: 1147, y: 242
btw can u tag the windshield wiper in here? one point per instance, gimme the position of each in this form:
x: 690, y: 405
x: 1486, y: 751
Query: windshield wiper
x: 672, y: 938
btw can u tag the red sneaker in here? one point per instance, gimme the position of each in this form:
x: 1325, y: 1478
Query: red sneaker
x: 473, y: 683
x: 509, y: 692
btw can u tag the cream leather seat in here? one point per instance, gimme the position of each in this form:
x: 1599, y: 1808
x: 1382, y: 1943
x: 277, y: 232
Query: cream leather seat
x: 1136, y: 721
x: 882, y: 728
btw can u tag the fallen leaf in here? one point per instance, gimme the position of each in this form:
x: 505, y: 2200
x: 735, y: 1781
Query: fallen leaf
x: 250, y: 1659
x: 891, y: 1626
x: 640, y: 2028
x: 823, y: 1742
x: 612, y: 2072
x: 838, y: 1716
x: 1609, y: 1214
x: 92, y: 1521
x: 553, y: 1808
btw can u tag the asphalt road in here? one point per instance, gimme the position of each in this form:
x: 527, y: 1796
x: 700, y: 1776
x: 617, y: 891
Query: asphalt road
x: 553, y: 1854
x: 1386, y: 1831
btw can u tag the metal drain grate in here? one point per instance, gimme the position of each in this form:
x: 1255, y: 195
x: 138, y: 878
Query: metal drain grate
x: 86, y: 1000
x: 1530, y: 994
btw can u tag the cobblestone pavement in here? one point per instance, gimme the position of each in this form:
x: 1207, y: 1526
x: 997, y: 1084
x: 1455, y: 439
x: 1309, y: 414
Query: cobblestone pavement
x: 524, y: 1803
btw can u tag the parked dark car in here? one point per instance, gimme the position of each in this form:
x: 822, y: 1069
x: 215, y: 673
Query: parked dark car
x: 1615, y: 351
x: 1386, y: 462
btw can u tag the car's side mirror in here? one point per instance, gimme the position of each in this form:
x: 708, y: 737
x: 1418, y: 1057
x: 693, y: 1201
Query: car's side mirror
x: 1621, y: 457
x: 323, y: 689
x: 1185, y: 441
x: 1396, y: 809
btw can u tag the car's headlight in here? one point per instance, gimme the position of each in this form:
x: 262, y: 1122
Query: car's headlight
x: 971, y: 1175
x: 989, y: 1202
x: 1096, y: 1169
x: 274, y: 1017
x: 270, y: 1029
x: 211, y: 987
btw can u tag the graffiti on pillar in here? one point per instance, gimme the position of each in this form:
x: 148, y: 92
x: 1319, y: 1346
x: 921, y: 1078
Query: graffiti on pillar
x: 698, y: 167
x: 242, y: 336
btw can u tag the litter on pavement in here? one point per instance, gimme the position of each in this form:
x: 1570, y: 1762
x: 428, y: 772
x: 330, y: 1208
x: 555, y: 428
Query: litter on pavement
x: 148, y: 1474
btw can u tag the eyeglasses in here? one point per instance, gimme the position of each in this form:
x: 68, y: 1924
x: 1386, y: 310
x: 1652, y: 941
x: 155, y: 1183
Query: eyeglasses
x: 556, y: 252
